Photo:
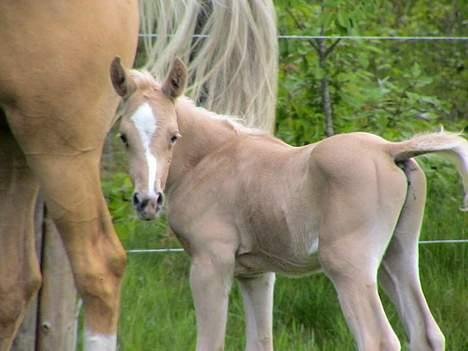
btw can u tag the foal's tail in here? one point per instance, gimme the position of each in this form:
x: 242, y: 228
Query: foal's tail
x: 452, y: 145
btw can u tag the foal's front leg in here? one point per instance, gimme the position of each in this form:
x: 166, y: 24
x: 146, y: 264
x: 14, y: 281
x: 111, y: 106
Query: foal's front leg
x: 211, y: 278
x: 257, y: 293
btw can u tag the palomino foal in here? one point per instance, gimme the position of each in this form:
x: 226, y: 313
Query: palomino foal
x: 245, y: 204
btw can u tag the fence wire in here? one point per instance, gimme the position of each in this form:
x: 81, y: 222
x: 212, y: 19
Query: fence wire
x: 173, y: 250
x: 340, y: 37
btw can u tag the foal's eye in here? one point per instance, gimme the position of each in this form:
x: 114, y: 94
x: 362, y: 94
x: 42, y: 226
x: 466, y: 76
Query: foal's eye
x: 124, y: 139
x: 174, y: 138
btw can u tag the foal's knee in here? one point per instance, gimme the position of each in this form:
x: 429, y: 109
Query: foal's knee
x: 390, y: 343
x: 266, y: 343
x: 433, y: 340
x: 385, y: 342
x: 436, y: 340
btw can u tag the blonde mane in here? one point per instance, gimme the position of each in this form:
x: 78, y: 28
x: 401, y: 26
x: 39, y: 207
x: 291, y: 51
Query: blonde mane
x: 233, y: 122
x: 232, y: 67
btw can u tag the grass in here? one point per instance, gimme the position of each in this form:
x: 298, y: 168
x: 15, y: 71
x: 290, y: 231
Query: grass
x: 157, y: 311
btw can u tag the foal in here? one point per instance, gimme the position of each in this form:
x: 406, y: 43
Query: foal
x: 245, y: 204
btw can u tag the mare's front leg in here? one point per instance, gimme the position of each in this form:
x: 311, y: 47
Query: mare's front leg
x: 19, y: 270
x: 66, y: 163
x: 71, y: 187
x: 257, y: 293
x: 211, y: 278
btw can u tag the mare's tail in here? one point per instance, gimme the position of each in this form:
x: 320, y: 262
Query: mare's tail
x: 232, y: 60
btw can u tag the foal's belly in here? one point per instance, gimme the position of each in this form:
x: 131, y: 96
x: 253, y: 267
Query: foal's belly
x: 293, y: 261
x: 280, y: 238
x: 252, y: 264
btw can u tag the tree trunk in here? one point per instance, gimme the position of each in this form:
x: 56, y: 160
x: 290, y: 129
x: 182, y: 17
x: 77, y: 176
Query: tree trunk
x: 324, y: 90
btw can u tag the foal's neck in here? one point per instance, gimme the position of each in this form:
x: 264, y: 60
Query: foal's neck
x: 203, y: 132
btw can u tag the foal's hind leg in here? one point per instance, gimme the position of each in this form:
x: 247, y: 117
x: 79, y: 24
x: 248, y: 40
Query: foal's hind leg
x: 257, y: 293
x: 19, y: 270
x: 353, y: 272
x: 358, y: 221
x: 400, y: 274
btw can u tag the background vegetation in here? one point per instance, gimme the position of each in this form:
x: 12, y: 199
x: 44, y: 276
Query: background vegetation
x: 394, y: 89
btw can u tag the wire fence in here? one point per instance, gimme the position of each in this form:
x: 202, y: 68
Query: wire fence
x: 340, y: 37
x: 325, y: 37
x: 176, y: 250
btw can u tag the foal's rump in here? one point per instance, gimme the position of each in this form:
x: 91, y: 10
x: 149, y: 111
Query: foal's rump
x: 351, y: 153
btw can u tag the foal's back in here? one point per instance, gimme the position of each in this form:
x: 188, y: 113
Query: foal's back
x: 274, y: 196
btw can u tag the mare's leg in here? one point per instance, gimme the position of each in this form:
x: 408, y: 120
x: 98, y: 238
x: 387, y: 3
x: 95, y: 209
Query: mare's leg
x: 358, y: 218
x: 19, y: 270
x: 65, y: 160
x: 257, y: 293
x: 211, y: 278
x: 400, y: 273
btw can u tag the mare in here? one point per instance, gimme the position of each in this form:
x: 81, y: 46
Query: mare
x: 244, y: 204
x: 57, y: 105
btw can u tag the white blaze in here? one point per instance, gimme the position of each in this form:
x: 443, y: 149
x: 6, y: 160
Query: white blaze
x: 100, y: 342
x: 145, y: 123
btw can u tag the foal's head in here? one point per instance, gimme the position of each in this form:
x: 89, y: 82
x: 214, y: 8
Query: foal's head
x: 149, y: 130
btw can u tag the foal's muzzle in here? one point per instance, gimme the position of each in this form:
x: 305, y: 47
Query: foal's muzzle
x: 147, y: 206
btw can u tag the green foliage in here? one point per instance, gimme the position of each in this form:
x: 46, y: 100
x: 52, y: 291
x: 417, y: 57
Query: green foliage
x: 118, y: 191
x: 394, y: 89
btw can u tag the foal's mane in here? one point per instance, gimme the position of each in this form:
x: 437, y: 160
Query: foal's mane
x: 233, y: 122
x: 145, y: 80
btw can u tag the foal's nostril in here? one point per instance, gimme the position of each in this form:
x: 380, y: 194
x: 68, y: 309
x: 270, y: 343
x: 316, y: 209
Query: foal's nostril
x: 135, y: 199
x: 160, y: 198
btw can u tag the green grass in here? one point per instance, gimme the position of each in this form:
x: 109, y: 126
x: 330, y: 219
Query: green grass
x: 157, y: 311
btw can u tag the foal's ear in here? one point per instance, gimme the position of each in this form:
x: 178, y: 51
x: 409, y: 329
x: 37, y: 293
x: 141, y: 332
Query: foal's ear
x: 174, y: 85
x: 122, y: 83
